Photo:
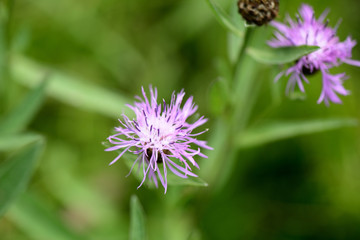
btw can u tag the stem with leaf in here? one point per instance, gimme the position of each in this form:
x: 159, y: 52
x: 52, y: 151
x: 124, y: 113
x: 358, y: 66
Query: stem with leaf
x: 229, y: 125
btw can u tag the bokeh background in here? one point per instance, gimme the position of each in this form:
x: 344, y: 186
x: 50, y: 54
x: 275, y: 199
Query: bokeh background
x: 307, y: 187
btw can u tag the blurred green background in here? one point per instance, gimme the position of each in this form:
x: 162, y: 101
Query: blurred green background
x: 306, y: 187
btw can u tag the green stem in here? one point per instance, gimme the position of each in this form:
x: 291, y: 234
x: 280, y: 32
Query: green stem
x: 223, y: 157
x: 236, y: 128
x: 242, y: 86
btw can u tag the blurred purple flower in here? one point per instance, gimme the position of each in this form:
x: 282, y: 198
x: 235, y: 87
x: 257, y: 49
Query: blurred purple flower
x: 160, y: 136
x: 308, y: 30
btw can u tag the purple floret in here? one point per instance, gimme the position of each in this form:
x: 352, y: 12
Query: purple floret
x: 307, y: 30
x: 160, y: 136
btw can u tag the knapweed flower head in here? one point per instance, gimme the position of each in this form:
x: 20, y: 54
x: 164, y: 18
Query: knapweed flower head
x: 307, y: 30
x: 160, y: 137
x: 258, y: 12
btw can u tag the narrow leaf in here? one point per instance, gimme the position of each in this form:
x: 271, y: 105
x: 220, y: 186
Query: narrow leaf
x: 32, y: 214
x: 271, y: 132
x: 190, y: 181
x: 12, y: 142
x: 21, y: 116
x: 137, y: 221
x: 224, y: 19
x: 235, y: 42
x: 70, y: 90
x: 15, y: 173
x: 280, y: 55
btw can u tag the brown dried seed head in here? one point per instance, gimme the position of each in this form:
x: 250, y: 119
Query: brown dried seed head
x: 258, y: 12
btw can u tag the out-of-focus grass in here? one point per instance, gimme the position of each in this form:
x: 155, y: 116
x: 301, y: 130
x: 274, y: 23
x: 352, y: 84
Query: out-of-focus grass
x: 303, y: 188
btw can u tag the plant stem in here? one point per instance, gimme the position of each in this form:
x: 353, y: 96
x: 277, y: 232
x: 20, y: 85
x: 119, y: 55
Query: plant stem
x: 242, y: 84
x: 223, y: 157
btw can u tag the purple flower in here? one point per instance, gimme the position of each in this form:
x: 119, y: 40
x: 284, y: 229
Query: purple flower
x: 308, y: 30
x: 160, y: 136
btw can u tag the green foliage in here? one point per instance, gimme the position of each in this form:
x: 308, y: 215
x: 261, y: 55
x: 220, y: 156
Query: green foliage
x: 137, y: 220
x: 190, y: 181
x: 13, y: 142
x: 280, y: 55
x: 95, y: 57
x: 76, y: 192
x: 21, y: 116
x: 234, y: 40
x: 269, y: 132
x: 224, y: 19
x: 15, y: 173
x: 33, y: 216
x: 71, y: 90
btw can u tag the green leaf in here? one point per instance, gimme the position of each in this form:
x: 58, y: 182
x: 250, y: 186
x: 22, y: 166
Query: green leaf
x: 190, y: 181
x: 280, y: 55
x: 234, y: 41
x: 21, y: 116
x: 224, y: 19
x: 31, y: 214
x: 137, y: 220
x: 70, y: 90
x: 15, y: 173
x: 13, y: 142
x: 297, y: 95
x: 271, y: 132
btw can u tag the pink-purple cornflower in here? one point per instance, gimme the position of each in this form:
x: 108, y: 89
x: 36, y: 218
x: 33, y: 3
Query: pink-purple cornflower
x: 160, y: 137
x: 307, y: 30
